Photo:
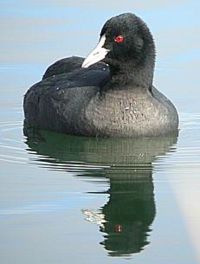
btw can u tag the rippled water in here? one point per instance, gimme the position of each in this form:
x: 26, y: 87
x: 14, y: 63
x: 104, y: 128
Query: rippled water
x: 67, y: 199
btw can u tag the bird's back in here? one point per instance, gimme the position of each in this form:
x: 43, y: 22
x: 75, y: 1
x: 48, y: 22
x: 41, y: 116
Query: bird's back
x: 58, y: 101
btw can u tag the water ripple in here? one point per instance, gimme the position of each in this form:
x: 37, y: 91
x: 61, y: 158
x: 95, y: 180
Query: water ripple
x: 12, y: 148
x: 186, y: 159
x: 183, y: 158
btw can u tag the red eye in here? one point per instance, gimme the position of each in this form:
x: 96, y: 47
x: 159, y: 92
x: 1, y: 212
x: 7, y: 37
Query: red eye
x: 119, y: 39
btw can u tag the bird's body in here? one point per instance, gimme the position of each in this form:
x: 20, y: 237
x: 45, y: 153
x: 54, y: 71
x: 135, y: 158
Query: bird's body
x: 118, y: 100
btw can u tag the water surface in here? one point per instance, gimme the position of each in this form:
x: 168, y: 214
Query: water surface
x: 67, y: 199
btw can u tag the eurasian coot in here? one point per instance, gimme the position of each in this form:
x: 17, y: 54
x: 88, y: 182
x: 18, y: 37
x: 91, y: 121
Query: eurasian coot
x: 110, y: 93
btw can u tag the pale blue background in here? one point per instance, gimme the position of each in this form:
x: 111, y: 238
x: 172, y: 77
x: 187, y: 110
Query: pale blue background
x: 40, y: 209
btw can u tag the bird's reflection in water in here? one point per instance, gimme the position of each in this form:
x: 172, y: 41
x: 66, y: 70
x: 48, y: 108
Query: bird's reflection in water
x: 126, y: 218
x: 129, y: 212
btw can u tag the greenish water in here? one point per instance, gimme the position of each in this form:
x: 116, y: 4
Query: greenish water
x: 66, y: 199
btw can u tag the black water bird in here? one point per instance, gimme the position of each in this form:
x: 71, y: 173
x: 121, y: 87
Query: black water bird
x: 110, y: 93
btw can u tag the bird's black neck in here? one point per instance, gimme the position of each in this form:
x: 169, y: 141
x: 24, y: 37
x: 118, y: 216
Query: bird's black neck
x: 130, y: 75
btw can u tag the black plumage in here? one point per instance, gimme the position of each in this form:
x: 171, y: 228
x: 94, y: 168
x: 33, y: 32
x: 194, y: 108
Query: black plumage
x: 114, y: 97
